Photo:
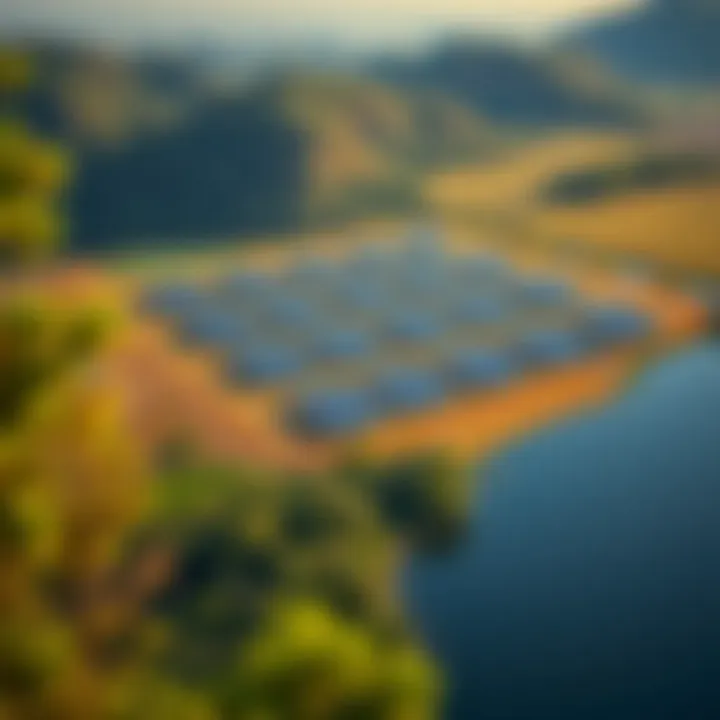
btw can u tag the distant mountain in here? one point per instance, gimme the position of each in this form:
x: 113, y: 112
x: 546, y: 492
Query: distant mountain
x: 517, y: 86
x: 667, y: 41
x: 166, y: 155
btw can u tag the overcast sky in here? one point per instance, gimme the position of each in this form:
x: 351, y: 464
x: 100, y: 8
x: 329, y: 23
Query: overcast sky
x: 375, y: 21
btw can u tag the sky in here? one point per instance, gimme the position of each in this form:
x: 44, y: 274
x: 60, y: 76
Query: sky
x: 342, y: 21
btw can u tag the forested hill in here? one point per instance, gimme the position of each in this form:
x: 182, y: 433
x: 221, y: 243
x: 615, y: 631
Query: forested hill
x: 231, y: 168
x: 666, y: 41
x: 167, y: 154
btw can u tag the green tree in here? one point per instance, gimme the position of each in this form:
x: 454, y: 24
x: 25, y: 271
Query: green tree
x: 33, y: 173
x: 72, y: 487
x: 425, y: 497
x: 307, y: 663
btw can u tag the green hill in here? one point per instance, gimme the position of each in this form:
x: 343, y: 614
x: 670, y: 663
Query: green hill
x: 167, y: 155
x: 368, y: 143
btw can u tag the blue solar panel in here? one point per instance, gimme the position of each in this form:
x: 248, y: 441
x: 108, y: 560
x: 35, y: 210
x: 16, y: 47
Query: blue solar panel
x: 401, y: 299
x: 616, y: 324
x: 413, y: 327
x: 311, y: 274
x: 264, y: 364
x: 480, y: 269
x: 549, y: 347
x: 290, y: 311
x: 368, y: 262
x: 331, y: 413
x: 403, y: 390
x: 479, y: 368
x: 544, y: 292
x: 426, y: 279
x: 424, y: 240
x: 477, y: 311
x: 362, y: 295
x: 342, y: 344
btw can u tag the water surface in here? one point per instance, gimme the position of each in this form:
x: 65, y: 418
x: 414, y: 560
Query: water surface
x: 589, y: 587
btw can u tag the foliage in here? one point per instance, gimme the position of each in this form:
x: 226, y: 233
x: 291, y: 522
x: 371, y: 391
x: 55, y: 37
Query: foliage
x: 307, y: 663
x: 16, y: 71
x: 293, y: 577
x: 235, y: 593
x: 426, y: 497
x: 72, y: 485
x: 37, y: 343
x: 209, y: 593
x: 32, y: 175
x: 243, y: 540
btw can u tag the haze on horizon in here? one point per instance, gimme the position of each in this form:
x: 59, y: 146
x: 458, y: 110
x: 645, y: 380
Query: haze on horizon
x: 356, y: 22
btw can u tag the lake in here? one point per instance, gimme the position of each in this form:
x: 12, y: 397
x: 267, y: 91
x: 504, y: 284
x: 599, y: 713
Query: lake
x: 589, y: 584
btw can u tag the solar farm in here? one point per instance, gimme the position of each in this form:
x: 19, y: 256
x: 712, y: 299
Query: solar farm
x: 338, y: 348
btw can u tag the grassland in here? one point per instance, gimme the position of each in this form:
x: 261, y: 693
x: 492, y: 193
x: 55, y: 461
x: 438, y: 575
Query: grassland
x: 180, y: 396
x: 673, y: 230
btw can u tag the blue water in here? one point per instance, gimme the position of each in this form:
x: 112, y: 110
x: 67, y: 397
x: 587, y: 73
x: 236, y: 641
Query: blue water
x: 589, y: 587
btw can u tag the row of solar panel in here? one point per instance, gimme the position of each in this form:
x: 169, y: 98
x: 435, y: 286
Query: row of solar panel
x: 224, y: 329
x: 267, y: 364
x: 403, y: 271
x: 371, y: 278
x: 267, y: 358
x: 385, y: 283
x: 193, y: 307
x: 341, y: 411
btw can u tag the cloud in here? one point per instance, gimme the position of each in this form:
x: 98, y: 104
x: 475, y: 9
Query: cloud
x: 351, y: 19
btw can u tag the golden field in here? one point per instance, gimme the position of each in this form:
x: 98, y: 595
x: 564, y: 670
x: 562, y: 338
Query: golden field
x: 674, y: 230
x: 179, y: 396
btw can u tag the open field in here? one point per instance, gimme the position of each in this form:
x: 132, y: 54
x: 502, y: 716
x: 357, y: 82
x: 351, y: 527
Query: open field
x: 672, y: 230
x: 512, y: 181
x: 180, y: 396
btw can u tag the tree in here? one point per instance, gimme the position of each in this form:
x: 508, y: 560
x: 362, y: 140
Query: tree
x: 33, y: 173
x: 307, y: 663
x: 72, y: 489
x: 425, y: 497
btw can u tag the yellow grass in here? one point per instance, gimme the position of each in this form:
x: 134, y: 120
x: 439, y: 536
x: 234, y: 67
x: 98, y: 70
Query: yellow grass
x: 513, y: 180
x: 675, y: 229
x: 180, y: 395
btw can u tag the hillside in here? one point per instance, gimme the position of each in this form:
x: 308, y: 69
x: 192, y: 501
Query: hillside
x: 518, y: 86
x: 666, y: 41
x: 164, y: 155
x: 369, y: 143
x: 671, y: 225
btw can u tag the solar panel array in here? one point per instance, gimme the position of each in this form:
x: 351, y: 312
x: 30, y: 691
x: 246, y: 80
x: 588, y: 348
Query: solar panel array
x: 387, y: 331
